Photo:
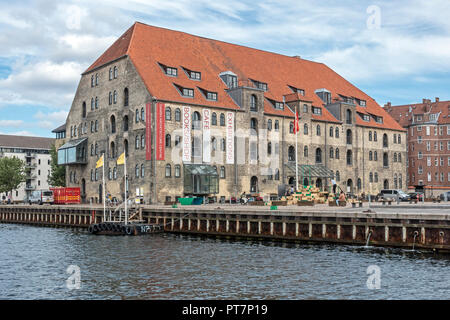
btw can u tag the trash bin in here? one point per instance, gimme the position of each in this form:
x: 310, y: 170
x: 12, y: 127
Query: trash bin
x: 186, y: 201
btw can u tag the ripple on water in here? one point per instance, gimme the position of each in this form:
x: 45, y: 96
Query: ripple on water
x: 33, y: 264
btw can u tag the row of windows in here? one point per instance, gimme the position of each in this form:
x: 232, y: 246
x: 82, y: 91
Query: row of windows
x: 112, y: 100
x: 112, y: 75
x: 173, y: 72
x: 177, y: 167
x: 413, y: 177
x: 436, y: 162
x: 438, y: 177
x: 438, y: 145
x: 195, y: 117
x: 441, y: 130
x: 82, y: 129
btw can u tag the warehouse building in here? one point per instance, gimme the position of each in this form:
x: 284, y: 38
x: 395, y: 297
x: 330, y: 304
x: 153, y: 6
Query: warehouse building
x: 203, y: 117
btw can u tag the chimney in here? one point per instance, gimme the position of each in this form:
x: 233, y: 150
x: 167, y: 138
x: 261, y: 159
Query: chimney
x: 388, y: 104
x: 437, y: 99
x: 424, y: 100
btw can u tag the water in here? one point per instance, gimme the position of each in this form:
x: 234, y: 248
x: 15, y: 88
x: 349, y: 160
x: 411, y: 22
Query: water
x: 33, y: 263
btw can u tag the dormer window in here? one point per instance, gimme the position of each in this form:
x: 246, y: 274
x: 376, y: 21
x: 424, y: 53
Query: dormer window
x: 193, y: 75
x: 230, y: 79
x: 188, y: 92
x: 348, y: 100
x: 324, y: 94
x: 316, y: 110
x: 279, y: 105
x: 433, y: 116
x: 297, y: 90
x: 211, y: 96
x: 260, y: 85
x: 366, y: 117
x: 185, y: 92
x: 170, y: 71
x: 378, y: 119
x: 362, y: 103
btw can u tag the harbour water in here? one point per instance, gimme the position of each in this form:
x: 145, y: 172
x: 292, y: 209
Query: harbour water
x: 34, y: 262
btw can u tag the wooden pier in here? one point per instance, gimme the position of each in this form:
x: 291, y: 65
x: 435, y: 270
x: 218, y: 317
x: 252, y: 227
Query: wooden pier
x: 430, y: 231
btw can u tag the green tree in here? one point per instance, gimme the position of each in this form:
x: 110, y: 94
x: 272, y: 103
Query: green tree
x: 12, y: 174
x: 57, y: 177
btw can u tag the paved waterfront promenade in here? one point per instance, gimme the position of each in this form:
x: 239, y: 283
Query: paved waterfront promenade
x: 427, y: 208
x: 424, y: 225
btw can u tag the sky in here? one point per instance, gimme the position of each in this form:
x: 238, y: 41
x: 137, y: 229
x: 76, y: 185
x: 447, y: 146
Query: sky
x: 397, y: 51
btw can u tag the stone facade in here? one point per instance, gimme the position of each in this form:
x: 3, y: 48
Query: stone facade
x: 360, y: 174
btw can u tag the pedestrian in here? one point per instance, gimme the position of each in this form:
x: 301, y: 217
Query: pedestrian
x: 342, y: 198
x: 333, y: 182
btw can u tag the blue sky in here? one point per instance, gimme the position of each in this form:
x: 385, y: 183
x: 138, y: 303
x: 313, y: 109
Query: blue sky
x: 396, y: 51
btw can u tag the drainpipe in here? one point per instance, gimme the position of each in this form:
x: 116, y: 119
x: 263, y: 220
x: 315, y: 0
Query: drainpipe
x: 235, y: 159
x: 281, y: 147
x: 153, y: 125
x: 326, y: 155
x: 363, y: 162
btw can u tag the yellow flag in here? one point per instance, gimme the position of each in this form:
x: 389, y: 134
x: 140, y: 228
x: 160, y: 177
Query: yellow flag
x: 100, y: 162
x: 121, y: 159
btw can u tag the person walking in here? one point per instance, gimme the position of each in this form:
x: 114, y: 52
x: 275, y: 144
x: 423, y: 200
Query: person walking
x: 342, y: 198
x: 333, y: 182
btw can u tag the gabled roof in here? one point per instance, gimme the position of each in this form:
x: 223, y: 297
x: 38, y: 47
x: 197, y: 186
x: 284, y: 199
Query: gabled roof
x: 25, y: 142
x: 402, y: 114
x: 149, y: 46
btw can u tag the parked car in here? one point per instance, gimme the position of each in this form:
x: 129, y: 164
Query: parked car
x: 416, y: 196
x: 445, y: 196
x: 41, y: 197
x: 392, y: 194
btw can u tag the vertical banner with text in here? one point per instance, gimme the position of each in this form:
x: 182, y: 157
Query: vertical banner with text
x: 160, y: 130
x: 206, y: 136
x: 230, y: 138
x: 148, y: 131
x: 187, y: 134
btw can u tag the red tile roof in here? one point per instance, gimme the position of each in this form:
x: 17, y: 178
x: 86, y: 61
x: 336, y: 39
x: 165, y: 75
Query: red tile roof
x: 403, y: 115
x: 148, y: 45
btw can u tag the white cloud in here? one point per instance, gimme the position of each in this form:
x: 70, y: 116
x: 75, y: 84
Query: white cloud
x: 42, y: 83
x: 50, y: 120
x: 52, y: 42
x: 19, y: 133
x: 11, y: 123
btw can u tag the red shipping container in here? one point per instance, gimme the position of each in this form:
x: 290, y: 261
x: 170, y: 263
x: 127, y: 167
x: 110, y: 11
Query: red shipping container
x: 66, y: 195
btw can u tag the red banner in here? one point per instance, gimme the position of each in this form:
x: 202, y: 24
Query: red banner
x: 160, y: 130
x: 148, y: 131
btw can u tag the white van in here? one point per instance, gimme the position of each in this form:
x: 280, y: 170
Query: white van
x: 41, y: 197
x: 393, y: 194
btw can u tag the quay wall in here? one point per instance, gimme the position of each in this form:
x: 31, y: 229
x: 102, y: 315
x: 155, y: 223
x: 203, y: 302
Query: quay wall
x: 425, y: 231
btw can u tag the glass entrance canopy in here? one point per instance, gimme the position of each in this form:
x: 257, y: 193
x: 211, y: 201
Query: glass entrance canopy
x: 200, y: 179
x: 73, y: 152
